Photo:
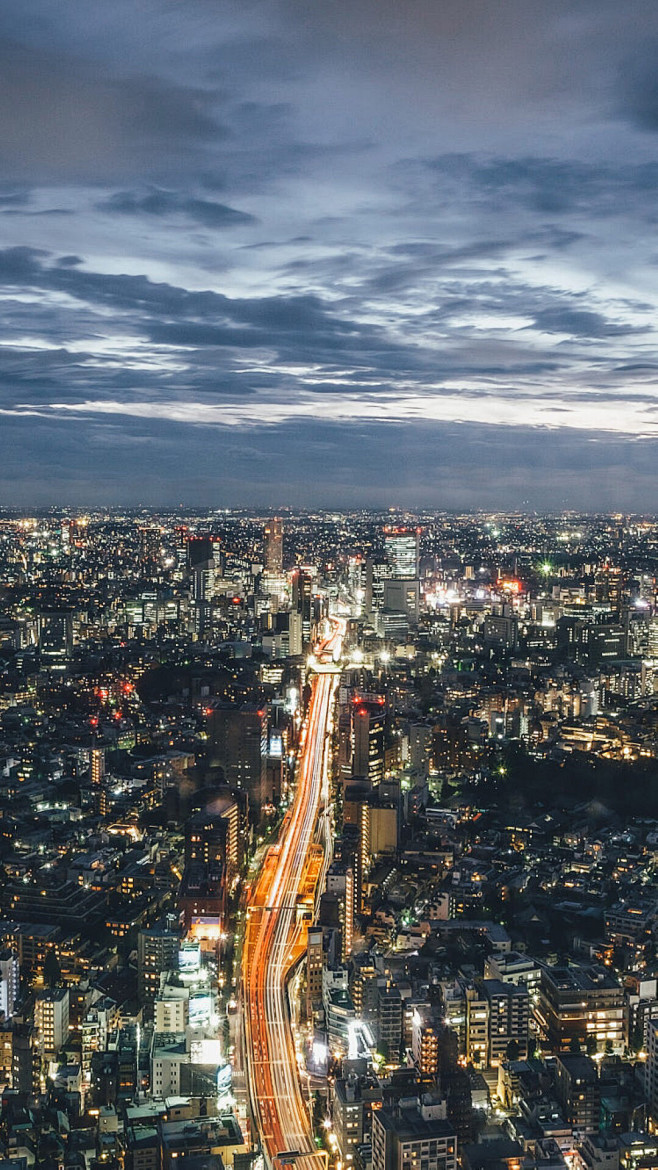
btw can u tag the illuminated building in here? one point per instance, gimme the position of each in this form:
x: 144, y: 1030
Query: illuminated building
x: 577, y: 1090
x: 302, y: 604
x: 274, y: 545
x: 413, y: 1134
x: 581, y: 1003
x: 6, y: 1053
x: 97, y: 766
x: 149, y: 548
x: 26, y: 1058
x: 202, y: 900
x: 374, y: 814
x: 425, y: 1042
x: 195, y: 1142
x: 368, y: 726
x: 340, y: 881
x: 364, y: 986
x: 402, y: 551
x: 168, y: 1055
x: 402, y: 595
x: 314, y: 968
x: 213, y: 837
x: 388, y: 1022
x: 157, y: 951
x: 172, y: 1009
x: 51, y: 1018
x: 9, y: 982
x: 651, y: 1071
x: 96, y: 1026
x: 501, y: 630
x: 56, y: 637
x: 347, y: 1112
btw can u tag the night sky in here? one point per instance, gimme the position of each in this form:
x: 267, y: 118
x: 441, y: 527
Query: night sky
x: 329, y: 252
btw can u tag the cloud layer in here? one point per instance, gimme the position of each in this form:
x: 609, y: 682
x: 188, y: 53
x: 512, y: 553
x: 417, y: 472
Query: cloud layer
x: 340, y: 252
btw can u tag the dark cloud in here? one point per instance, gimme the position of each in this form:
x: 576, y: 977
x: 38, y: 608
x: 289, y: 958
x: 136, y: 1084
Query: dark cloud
x: 581, y: 323
x: 60, y: 120
x: 371, y: 237
x: 160, y: 203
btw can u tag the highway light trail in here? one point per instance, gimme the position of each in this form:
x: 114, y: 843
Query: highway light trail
x: 276, y: 939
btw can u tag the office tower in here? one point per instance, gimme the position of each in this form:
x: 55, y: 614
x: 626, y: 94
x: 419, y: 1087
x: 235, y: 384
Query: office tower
x: 56, y: 637
x: 402, y: 595
x: 368, y: 723
x: 157, y: 951
x: 501, y: 629
x: 274, y: 545
x: 302, y: 604
x: 377, y: 574
x: 402, y: 551
x: 149, y: 548
x: 51, y: 1018
x: 204, y: 552
x: 340, y: 882
x: 237, y: 743
x: 413, y: 1134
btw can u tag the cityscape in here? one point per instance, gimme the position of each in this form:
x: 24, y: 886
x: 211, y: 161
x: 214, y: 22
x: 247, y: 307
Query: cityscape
x: 328, y: 839
x: 328, y: 585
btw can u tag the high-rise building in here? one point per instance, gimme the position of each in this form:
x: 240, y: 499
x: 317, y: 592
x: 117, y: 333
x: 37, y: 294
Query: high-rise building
x: 340, y: 881
x: 368, y: 723
x: 26, y: 1058
x: 314, y: 968
x: 214, y: 837
x: 97, y: 765
x: 157, y: 951
x: 56, y: 637
x: 581, y: 1003
x: 413, y: 1134
x: 425, y: 1042
x: 204, y: 552
x: 274, y: 545
x: 149, y: 548
x: 9, y: 982
x: 237, y: 738
x: 51, y: 1018
x: 402, y: 546
x: 577, y: 1090
x: 651, y: 1070
x: 348, y: 1113
x: 302, y: 604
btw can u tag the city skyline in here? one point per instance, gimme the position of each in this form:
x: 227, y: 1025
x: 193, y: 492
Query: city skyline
x: 332, y: 255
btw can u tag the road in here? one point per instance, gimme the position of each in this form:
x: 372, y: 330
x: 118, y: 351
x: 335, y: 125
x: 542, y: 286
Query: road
x: 276, y: 933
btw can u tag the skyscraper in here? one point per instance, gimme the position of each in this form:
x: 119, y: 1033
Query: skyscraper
x: 368, y: 723
x: 238, y: 744
x: 402, y: 547
x: 302, y: 603
x: 274, y: 545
